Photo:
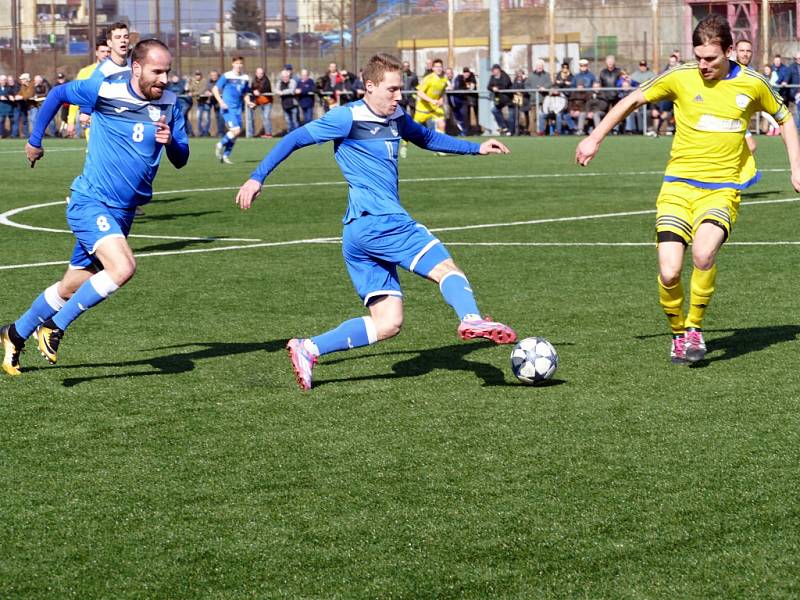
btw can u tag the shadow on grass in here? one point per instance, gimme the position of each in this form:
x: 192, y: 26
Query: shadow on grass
x: 739, y: 342
x: 175, y: 362
x: 446, y: 358
x: 422, y: 362
x: 174, y: 245
x: 147, y: 218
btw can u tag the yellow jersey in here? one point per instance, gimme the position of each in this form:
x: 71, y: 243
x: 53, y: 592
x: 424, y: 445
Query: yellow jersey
x: 711, y: 119
x: 434, y: 87
x: 84, y: 73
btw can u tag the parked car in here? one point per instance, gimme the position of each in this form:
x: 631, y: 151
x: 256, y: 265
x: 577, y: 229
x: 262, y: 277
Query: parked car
x: 30, y: 46
x: 247, y: 39
x: 307, y: 39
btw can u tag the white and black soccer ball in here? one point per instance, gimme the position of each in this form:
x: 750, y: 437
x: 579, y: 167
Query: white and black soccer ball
x: 534, y: 360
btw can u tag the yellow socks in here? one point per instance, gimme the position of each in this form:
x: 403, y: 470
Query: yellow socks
x: 700, y: 295
x: 671, y: 300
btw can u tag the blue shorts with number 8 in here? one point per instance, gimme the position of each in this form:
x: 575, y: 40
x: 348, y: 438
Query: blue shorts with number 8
x: 92, y: 221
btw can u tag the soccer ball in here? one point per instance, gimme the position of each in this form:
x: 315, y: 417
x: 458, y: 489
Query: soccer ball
x: 534, y: 360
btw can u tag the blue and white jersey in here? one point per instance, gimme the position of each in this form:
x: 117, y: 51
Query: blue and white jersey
x: 232, y: 88
x: 123, y: 155
x: 108, y: 69
x: 365, y: 147
x: 111, y: 71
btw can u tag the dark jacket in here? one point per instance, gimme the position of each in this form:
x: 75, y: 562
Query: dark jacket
x: 502, y: 82
x: 410, y: 83
x: 307, y: 88
x: 608, y: 79
x: 264, y: 89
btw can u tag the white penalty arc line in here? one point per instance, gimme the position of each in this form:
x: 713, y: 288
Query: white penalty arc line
x: 337, y: 240
x: 22, y: 150
x: 5, y: 220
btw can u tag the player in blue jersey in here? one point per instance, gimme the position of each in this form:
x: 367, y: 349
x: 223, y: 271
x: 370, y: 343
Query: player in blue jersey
x: 133, y: 120
x: 378, y: 233
x: 231, y: 88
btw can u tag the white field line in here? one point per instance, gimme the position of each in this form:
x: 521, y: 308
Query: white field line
x: 5, y: 220
x: 22, y: 150
x: 334, y: 240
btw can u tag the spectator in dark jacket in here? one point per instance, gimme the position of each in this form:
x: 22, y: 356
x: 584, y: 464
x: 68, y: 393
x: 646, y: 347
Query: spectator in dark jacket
x: 521, y: 104
x: 261, y: 93
x: 597, y: 106
x: 565, y: 79
x: 305, y: 96
x: 608, y: 79
x: 410, y: 83
x: 467, y: 82
x: 6, y: 105
x: 793, y: 79
x: 500, y: 86
x: 576, y: 109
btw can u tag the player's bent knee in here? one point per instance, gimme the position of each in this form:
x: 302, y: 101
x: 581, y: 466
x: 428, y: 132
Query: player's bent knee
x: 704, y: 261
x: 122, y: 271
x: 388, y: 330
x: 669, y: 276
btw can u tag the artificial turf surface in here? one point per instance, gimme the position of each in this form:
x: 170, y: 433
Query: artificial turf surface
x: 169, y: 453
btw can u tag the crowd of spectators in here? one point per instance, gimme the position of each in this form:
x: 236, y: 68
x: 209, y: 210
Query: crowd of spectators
x: 522, y: 103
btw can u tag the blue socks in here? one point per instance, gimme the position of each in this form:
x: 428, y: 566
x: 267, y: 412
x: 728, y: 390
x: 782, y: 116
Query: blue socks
x: 457, y: 293
x: 45, y: 306
x: 350, y: 334
x: 91, y: 293
x: 227, y: 143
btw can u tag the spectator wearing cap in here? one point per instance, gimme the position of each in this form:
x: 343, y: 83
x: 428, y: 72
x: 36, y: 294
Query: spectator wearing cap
x: 642, y: 74
x: 290, y: 68
x: 197, y: 89
x: 584, y: 75
x: 24, y: 97
x: 500, y: 86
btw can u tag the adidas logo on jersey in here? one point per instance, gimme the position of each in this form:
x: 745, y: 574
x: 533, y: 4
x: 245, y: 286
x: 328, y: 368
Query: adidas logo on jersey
x: 698, y: 98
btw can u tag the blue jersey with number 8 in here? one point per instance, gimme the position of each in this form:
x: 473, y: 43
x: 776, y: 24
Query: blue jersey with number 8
x: 123, y: 155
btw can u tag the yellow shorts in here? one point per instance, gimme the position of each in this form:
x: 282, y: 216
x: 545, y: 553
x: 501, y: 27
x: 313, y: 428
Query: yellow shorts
x: 423, y: 115
x: 680, y: 208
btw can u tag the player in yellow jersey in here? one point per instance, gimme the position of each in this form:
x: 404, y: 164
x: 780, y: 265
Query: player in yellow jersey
x: 101, y: 52
x: 430, y: 100
x: 709, y: 165
x: 115, y: 47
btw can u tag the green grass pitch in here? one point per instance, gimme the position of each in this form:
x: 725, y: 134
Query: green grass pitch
x: 170, y: 454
